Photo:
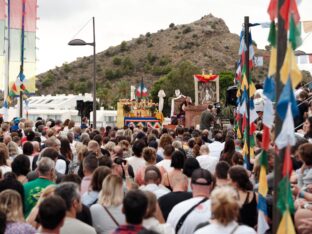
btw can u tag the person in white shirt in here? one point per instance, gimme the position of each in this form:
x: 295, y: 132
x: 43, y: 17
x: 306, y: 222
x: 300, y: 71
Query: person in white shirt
x: 166, y: 162
x: 137, y: 161
x: 152, y: 179
x: 225, y: 210
x: 205, y: 160
x: 216, y: 147
x: 201, y: 184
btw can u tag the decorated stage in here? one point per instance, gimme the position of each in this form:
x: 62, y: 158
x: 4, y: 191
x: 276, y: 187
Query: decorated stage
x: 149, y: 122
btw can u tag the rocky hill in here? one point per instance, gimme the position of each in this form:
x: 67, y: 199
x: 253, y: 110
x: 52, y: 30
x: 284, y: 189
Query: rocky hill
x: 206, y: 43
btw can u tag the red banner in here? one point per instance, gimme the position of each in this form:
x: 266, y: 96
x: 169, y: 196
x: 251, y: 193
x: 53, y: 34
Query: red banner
x: 16, y: 9
x: 2, y: 9
x: 206, y: 78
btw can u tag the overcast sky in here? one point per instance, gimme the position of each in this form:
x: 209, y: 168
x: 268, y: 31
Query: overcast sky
x: 121, y: 20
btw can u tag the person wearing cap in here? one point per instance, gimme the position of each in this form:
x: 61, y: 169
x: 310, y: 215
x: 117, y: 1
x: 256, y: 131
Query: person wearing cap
x: 185, y: 216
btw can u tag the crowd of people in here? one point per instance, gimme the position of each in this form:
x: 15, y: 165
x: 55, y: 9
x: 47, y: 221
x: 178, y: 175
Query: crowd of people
x: 57, y: 177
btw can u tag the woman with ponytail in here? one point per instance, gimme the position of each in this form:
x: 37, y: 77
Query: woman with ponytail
x: 239, y: 180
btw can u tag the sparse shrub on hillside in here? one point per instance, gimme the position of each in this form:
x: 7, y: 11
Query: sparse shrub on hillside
x: 67, y: 68
x: 147, y: 67
x: 109, y: 52
x: 117, y: 61
x: 48, y: 79
x: 151, y: 58
x: 164, y: 61
x: 82, y: 65
x: 194, y: 35
x: 82, y: 79
x: 148, y: 34
x: 127, y: 66
x: 187, y: 30
x: 213, y: 25
x: 149, y: 45
x: 171, y: 25
x: 140, y: 40
x: 186, y: 45
x: 176, y: 37
x: 123, y: 46
x: 111, y: 74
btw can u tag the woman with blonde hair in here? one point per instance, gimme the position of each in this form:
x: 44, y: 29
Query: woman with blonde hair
x: 154, y: 219
x: 107, y: 213
x: 11, y: 205
x: 47, y: 192
x: 225, y: 211
x: 91, y: 196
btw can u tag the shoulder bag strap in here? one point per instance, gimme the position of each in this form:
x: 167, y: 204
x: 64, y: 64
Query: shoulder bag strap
x: 110, y: 215
x: 235, y: 228
x: 183, y: 217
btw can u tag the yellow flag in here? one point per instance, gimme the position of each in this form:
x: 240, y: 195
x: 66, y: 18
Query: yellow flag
x: 290, y: 68
x: 286, y: 225
x: 263, y: 183
x: 244, y: 82
x: 252, y: 152
x: 238, y: 94
x: 272, y: 66
x: 239, y: 134
x: 245, y: 148
x: 252, y: 89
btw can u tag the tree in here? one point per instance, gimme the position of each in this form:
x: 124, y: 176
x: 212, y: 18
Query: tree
x: 181, y: 77
x: 226, y: 79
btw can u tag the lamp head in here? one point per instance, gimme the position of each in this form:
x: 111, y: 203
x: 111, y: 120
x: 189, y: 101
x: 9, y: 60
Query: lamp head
x: 77, y: 42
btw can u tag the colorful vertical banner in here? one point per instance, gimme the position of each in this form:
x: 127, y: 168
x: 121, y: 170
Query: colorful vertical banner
x: 23, y: 18
x: 2, y: 36
x: 286, y: 105
x: 245, y: 86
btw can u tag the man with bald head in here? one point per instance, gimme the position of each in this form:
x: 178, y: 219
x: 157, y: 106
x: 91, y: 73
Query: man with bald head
x: 179, y: 184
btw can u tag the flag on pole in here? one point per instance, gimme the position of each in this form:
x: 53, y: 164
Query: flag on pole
x: 141, y: 90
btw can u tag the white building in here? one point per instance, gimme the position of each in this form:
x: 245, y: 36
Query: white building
x: 61, y: 107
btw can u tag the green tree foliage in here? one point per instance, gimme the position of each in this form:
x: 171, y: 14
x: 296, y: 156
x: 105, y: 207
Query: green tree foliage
x: 180, y: 77
x: 161, y: 70
x: 226, y: 79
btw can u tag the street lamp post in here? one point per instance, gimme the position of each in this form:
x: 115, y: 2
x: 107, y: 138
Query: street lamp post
x: 79, y: 42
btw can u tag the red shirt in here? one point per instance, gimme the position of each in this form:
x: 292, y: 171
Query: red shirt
x: 128, y: 229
